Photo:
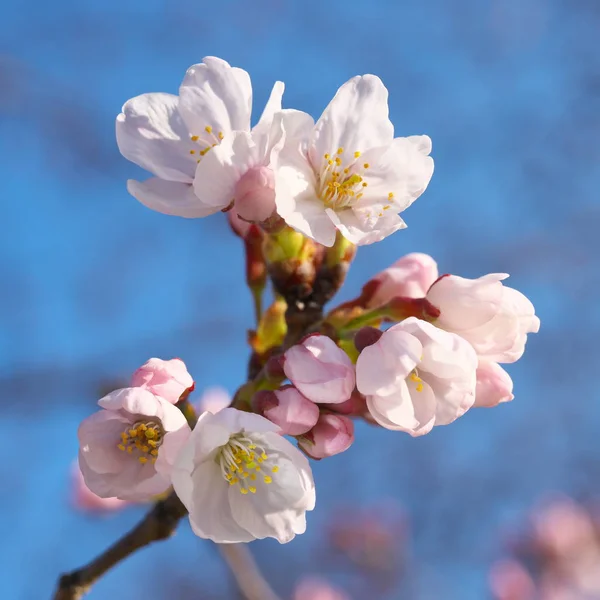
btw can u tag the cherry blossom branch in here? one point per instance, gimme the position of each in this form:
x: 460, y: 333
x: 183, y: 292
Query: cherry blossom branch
x: 247, y: 575
x: 159, y: 524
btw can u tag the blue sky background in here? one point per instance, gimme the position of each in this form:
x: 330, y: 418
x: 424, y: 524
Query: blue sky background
x: 92, y: 283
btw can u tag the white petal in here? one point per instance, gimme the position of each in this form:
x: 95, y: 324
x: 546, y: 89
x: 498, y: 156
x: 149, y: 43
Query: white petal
x: 402, y: 170
x: 297, y: 202
x: 365, y: 226
x: 236, y: 421
x: 355, y: 120
x: 152, y: 134
x: 219, y: 171
x: 382, y: 368
x: 205, y: 495
x: 298, y: 125
x: 273, y: 106
x: 454, y: 397
x: 169, y: 198
x: 217, y: 95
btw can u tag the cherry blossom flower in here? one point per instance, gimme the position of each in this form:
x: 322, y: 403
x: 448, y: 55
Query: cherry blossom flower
x: 417, y: 376
x: 168, y: 379
x: 331, y: 435
x: 409, y: 277
x: 494, y: 385
x: 320, y: 370
x: 293, y: 413
x: 199, y: 144
x: 347, y: 172
x: 127, y: 448
x: 241, y: 480
x: 495, y: 319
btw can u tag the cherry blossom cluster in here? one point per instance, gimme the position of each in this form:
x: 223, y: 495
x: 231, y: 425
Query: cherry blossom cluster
x: 412, y: 351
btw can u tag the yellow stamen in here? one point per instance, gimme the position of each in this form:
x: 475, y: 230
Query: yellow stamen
x: 208, y: 129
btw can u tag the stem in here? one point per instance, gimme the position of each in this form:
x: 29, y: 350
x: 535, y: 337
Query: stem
x: 159, y: 524
x: 257, y: 294
x: 367, y: 318
x: 247, y: 576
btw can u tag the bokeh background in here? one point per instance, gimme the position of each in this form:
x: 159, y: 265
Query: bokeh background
x: 92, y: 283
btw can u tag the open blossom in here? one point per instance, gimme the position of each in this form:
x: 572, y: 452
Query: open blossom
x: 409, y: 277
x: 127, y: 448
x: 200, y: 147
x: 168, y: 379
x: 241, y: 480
x: 494, y: 385
x: 417, y: 376
x: 495, y: 319
x: 320, y: 370
x: 348, y: 173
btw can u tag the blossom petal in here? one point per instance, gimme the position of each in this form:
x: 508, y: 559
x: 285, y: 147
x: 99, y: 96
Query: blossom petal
x: 355, y: 120
x: 219, y: 171
x: 272, y: 106
x: 152, y: 134
x: 382, y: 368
x: 402, y: 170
x: 216, y: 95
x: 169, y: 198
x: 99, y: 435
x: 296, y: 198
x: 363, y: 227
x: 204, y: 493
x: 494, y: 385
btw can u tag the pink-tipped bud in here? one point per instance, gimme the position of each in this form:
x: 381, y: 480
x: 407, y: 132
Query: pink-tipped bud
x: 331, y: 435
x: 355, y: 406
x: 288, y: 409
x: 168, y: 379
x: 366, y: 336
x: 321, y: 370
x: 255, y: 194
x: 238, y: 226
x: 409, y: 277
x: 494, y: 385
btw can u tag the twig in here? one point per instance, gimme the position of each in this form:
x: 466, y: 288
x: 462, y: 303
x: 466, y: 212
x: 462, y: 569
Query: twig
x: 243, y: 567
x: 158, y: 524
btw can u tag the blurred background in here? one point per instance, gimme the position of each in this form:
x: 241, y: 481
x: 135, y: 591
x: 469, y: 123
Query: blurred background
x: 93, y: 283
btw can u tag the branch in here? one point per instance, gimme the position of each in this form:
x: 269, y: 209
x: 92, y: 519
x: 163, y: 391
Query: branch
x: 247, y: 576
x: 158, y: 524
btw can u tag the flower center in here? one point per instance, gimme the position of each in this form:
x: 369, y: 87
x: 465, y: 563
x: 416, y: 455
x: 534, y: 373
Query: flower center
x: 245, y: 463
x: 206, y: 141
x: 144, y: 439
x: 342, y: 180
x: 414, y: 376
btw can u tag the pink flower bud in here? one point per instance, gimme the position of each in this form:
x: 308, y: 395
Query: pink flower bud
x: 331, y: 435
x: 320, y: 370
x: 409, y: 277
x: 355, y: 406
x: 366, y: 336
x: 165, y: 378
x: 255, y: 194
x: 494, y: 319
x: 494, y: 385
x: 85, y: 500
x: 239, y: 226
x: 288, y: 409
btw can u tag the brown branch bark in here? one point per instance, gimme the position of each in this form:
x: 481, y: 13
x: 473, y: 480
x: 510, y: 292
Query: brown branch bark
x: 159, y: 524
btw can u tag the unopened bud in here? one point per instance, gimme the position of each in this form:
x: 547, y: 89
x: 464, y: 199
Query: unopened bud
x: 366, y: 336
x: 255, y: 194
x: 331, y: 435
x: 288, y: 409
